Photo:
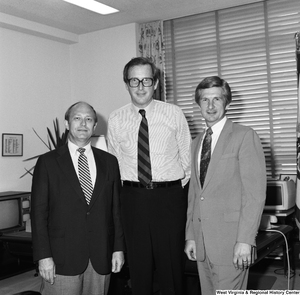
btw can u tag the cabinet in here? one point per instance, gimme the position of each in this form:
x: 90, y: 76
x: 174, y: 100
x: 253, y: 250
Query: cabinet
x: 15, y: 241
x: 280, y: 252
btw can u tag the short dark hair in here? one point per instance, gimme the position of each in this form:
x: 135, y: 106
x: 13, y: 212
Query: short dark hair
x: 68, y: 112
x: 214, y: 81
x: 138, y: 61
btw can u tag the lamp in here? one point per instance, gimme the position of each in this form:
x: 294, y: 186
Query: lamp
x: 93, y: 6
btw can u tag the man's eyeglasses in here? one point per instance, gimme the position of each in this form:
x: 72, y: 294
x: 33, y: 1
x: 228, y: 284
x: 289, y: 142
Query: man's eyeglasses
x: 146, y: 82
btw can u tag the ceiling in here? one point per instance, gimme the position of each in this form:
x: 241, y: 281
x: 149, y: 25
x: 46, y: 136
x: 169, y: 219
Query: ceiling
x: 67, y: 17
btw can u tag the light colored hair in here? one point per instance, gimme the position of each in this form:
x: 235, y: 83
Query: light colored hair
x: 214, y: 81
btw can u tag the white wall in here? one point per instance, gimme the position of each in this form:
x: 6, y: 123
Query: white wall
x: 40, y: 78
x: 97, y: 67
x: 34, y: 90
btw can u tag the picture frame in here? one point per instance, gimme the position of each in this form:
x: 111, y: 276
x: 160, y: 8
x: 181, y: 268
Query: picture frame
x: 12, y: 145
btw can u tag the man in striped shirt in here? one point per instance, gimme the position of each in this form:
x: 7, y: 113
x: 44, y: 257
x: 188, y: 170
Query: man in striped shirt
x: 153, y: 213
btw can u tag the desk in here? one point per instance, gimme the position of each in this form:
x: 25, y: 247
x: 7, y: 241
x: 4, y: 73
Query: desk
x: 18, y: 244
x: 266, y: 242
x: 16, y: 254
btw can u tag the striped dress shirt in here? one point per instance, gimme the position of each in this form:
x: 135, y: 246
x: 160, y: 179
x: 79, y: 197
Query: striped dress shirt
x: 169, y: 138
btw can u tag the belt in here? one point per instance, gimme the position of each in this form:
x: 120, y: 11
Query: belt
x: 151, y: 185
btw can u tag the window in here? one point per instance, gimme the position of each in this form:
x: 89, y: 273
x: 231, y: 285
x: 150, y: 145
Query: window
x: 253, y: 48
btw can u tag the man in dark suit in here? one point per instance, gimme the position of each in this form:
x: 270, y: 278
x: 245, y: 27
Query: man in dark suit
x: 225, y: 206
x: 77, y: 241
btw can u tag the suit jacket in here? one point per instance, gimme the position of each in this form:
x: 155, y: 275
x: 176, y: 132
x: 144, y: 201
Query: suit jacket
x: 229, y: 206
x: 63, y: 225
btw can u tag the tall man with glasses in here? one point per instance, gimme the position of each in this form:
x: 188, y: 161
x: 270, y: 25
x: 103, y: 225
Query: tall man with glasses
x: 151, y: 140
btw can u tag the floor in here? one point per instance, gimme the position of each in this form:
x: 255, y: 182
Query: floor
x: 19, y: 283
x: 268, y: 269
x: 268, y: 274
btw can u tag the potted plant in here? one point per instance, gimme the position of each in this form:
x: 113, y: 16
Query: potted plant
x: 53, y: 141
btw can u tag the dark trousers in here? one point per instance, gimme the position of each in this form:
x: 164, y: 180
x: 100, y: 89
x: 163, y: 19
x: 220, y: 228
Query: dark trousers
x: 154, y: 225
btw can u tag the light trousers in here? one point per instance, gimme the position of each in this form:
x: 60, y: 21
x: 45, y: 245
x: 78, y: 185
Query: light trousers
x: 87, y: 283
x: 220, y: 277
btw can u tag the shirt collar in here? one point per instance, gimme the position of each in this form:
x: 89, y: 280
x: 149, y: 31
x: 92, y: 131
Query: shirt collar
x: 148, y: 108
x: 217, y: 128
x: 73, y: 148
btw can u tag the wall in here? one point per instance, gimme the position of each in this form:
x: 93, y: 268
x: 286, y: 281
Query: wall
x: 34, y: 89
x: 97, y: 67
x: 40, y: 78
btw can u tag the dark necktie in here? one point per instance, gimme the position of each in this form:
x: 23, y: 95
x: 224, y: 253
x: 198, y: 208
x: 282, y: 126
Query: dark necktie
x: 144, y: 164
x: 205, y: 155
x: 85, y: 176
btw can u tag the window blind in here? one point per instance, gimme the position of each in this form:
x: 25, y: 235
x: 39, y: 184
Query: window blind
x: 252, y: 47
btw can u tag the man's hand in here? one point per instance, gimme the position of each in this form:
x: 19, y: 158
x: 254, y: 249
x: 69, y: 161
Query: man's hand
x: 190, y: 249
x: 242, y: 256
x: 47, y: 269
x: 117, y: 261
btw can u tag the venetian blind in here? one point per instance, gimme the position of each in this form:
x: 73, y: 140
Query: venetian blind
x: 252, y: 47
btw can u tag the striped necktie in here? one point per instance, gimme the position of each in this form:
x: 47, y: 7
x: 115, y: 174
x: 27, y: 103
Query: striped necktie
x: 205, y: 155
x: 144, y: 164
x: 85, y: 176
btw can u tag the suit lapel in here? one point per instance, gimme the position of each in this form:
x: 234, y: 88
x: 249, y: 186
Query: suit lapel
x: 220, y: 147
x: 196, y: 158
x: 66, y: 165
x: 100, y: 177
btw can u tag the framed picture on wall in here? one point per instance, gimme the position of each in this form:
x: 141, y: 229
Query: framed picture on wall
x: 12, y: 145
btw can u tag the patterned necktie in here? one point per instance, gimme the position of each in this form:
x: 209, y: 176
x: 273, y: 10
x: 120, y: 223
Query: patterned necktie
x: 85, y: 176
x: 144, y: 164
x: 205, y: 155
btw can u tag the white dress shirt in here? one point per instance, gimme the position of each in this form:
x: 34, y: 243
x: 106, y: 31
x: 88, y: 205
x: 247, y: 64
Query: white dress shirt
x: 73, y: 148
x: 216, y: 129
x: 169, y: 139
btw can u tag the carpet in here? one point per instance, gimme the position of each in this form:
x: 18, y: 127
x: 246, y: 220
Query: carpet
x: 20, y: 283
x: 260, y: 282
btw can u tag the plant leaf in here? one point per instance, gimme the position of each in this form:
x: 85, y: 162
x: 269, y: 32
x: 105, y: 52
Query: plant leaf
x: 49, y: 142
x: 41, y: 139
x: 28, y: 172
x: 65, y: 137
x: 55, y: 140
x: 51, y: 138
x: 57, y: 133
x: 32, y: 158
